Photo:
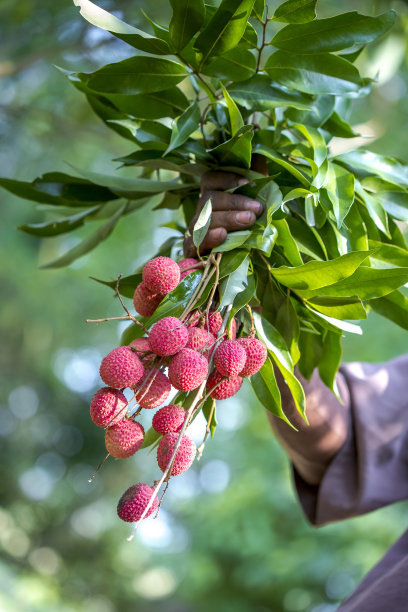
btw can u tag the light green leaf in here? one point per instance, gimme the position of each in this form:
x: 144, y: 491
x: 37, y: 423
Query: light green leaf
x: 296, y: 11
x: 262, y: 240
x: 202, y: 224
x: 370, y: 163
x: 231, y: 261
x: 316, y: 140
x: 209, y: 410
x: 287, y: 242
x: 244, y: 297
x: 339, y: 307
x: 188, y: 17
x: 151, y: 436
x: 260, y: 93
x: 183, y: 126
x: 267, y: 391
x: 233, y: 241
x: 339, y: 185
x: 273, y: 340
x: 333, y: 34
x: 259, y: 9
x: 394, y: 307
x: 337, y: 323
x: 234, y: 284
x: 235, y: 117
x: 330, y: 360
x: 389, y: 253
x: 295, y: 387
x: 375, y: 209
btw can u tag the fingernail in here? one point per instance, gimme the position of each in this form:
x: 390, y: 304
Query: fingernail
x: 243, y: 217
x: 242, y: 181
x: 253, y: 205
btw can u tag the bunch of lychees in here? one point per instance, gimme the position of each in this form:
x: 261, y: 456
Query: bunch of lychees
x: 193, y: 352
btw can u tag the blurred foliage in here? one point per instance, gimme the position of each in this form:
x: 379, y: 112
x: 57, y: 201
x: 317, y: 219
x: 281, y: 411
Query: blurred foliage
x: 230, y: 535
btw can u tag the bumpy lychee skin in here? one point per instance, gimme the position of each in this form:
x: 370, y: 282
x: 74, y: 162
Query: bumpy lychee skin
x: 146, y: 301
x: 121, y: 368
x: 229, y: 358
x: 214, y: 322
x: 161, y: 275
x: 256, y: 353
x: 108, y: 406
x: 184, y: 456
x: 169, y: 418
x: 142, y: 348
x: 187, y: 370
x: 187, y: 263
x: 193, y: 319
x: 134, y: 501
x: 168, y: 336
x: 124, y: 439
x: 232, y: 332
x: 199, y: 339
x: 226, y: 389
x: 154, y: 389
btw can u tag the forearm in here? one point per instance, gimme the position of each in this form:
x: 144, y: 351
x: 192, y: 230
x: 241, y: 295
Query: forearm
x: 313, y: 446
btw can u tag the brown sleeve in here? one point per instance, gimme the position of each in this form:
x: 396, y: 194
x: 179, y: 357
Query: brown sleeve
x: 371, y: 468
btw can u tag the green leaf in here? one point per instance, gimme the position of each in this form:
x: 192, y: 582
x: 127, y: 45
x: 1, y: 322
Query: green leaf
x: 188, y: 17
x: 307, y: 239
x: 333, y: 34
x: 183, y: 126
x: 260, y: 93
x: 234, y: 284
x: 394, y: 307
x: 339, y: 307
x: 237, y: 150
x: 267, y: 391
x: 244, y: 297
x: 339, y: 185
x: 127, y: 284
x: 316, y: 140
x: 296, y: 11
x: 135, y: 75
x: 225, y: 29
x: 236, y: 121
x: 236, y: 65
x: 168, y: 103
x: 395, y: 203
x: 59, y: 226
x: 203, y: 223
x: 151, y: 436
x: 88, y: 243
x: 370, y: 163
x: 337, y: 126
x: 273, y: 340
x: 209, y: 411
x: 310, y: 349
x: 174, y: 303
x: 233, y: 241
x: 336, y: 323
x: 287, y: 322
x: 316, y: 274
x: 295, y: 387
x: 330, y: 360
x: 314, y: 74
x: 287, y: 242
x: 231, y: 261
x: 259, y: 9
x: 263, y: 240
x: 389, y: 253
x: 281, y: 161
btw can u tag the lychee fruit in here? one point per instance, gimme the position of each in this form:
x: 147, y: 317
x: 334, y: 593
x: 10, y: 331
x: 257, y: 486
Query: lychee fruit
x: 121, y: 368
x: 124, y: 439
x: 213, y: 322
x: 153, y: 389
x: 161, y: 275
x: 168, y: 336
x: 108, y: 406
x: 227, y: 388
x: 187, y: 370
x: 256, y: 353
x: 133, y: 502
x: 145, y: 300
x: 187, y: 263
x: 229, y: 358
x: 193, y: 319
x: 141, y: 347
x: 184, y: 456
x: 169, y: 418
x: 199, y: 339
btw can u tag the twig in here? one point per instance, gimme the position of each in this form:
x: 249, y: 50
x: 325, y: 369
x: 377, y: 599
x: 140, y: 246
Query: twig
x: 200, y: 449
x: 249, y: 309
x: 217, y: 278
x: 263, y: 44
x: 125, y: 318
x: 98, y: 468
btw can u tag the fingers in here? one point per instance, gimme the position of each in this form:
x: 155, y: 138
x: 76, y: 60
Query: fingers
x: 230, y: 201
x: 214, y: 238
x: 220, y: 181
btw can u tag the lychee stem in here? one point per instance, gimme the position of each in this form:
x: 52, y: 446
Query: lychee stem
x: 217, y: 278
x: 98, y: 468
x: 123, y: 305
x: 207, y: 431
x: 125, y: 318
x: 249, y: 309
x: 197, y: 290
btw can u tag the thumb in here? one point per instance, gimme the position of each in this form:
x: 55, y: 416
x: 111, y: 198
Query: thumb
x: 258, y: 163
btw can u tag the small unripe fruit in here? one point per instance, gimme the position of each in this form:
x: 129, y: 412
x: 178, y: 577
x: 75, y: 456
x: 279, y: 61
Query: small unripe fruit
x: 161, y: 275
x: 154, y: 389
x: 124, y: 439
x: 108, y: 406
x: 121, y: 368
x: 229, y: 358
x: 187, y: 370
x: 168, y: 336
x: 133, y: 502
x: 227, y: 388
x: 146, y: 301
x: 256, y: 353
x: 186, y: 263
x: 169, y: 418
x: 184, y: 456
x: 199, y: 339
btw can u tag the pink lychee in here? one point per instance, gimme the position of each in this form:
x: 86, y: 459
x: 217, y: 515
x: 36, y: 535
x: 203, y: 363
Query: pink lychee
x: 187, y: 370
x: 169, y: 418
x: 187, y: 263
x: 193, y: 318
x: 146, y: 301
x: 256, y: 353
x: 213, y: 322
x: 141, y: 347
x: 161, y: 275
x: 108, y: 406
x: 153, y: 389
x: 133, y: 502
x: 184, y: 456
x: 199, y: 339
x: 229, y: 358
x: 227, y: 388
x: 124, y: 439
x: 121, y: 368
x: 168, y: 336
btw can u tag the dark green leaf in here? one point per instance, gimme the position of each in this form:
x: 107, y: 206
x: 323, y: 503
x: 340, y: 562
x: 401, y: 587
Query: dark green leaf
x: 237, y: 150
x: 281, y: 161
x: 288, y: 244
x: 267, y: 391
x: 202, y: 224
x: 236, y: 65
x: 306, y: 239
x: 175, y: 302
x: 296, y: 11
x: 260, y: 93
x: 231, y: 261
x: 127, y: 284
x: 294, y: 385
x: 263, y: 240
x: 188, y: 17
x: 287, y: 322
x: 59, y: 226
x: 259, y: 9
x: 168, y: 103
x: 310, y: 349
x: 393, y: 306
x: 330, y: 360
x: 339, y: 127
x: 183, y: 126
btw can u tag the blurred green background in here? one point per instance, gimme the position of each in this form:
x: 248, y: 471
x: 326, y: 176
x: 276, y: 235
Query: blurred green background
x: 230, y: 535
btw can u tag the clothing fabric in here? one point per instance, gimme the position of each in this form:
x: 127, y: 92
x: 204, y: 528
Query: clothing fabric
x: 370, y: 471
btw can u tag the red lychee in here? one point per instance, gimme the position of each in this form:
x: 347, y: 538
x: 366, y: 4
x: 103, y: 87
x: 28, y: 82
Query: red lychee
x: 169, y: 418
x: 199, y: 339
x: 124, y: 439
x: 168, y: 336
x: 187, y: 263
x: 142, y: 348
x: 108, y: 406
x: 146, y: 301
x: 154, y: 389
x: 121, y: 368
x: 184, y: 456
x: 256, y: 354
x: 187, y: 370
x: 229, y: 358
x: 133, y: 502
x: 161, y: 275
x: 214, y: 322
x: 193, y: 318
x: 226, y: 389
